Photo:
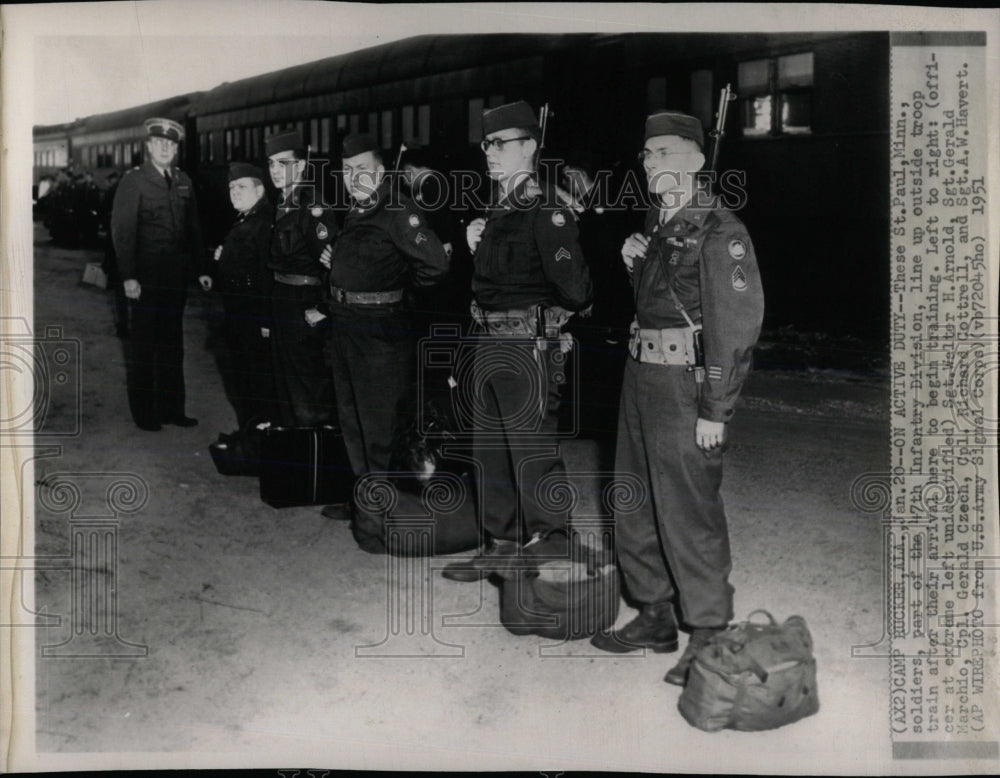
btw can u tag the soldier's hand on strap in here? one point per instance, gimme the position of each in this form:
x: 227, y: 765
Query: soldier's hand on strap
x: 206, y: 282
x: 218, y: 253
x: 132, y: 289
x: 474, y: 233
x: 326, y: 256
x: 634, y: 247
x: 709, y: 435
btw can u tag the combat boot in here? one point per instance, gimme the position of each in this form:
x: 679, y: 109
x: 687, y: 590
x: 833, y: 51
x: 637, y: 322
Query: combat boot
x: 677, y: 675
x: 655, y: 627
x: 479, y: 566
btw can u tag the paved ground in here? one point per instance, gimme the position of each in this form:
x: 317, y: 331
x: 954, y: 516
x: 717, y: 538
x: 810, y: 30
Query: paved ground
x: 256, y: 620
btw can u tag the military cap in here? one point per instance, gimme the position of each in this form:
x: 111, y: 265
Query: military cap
x: 284, y: 141
x: 358, y: 143
x: 674, y: 123
x: 164, y: 128
x: 512, y: 115
x: 238, y: 170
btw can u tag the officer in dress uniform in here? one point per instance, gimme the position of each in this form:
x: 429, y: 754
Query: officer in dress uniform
x: 699, y: 307
x: 303, y: 230
x: 157, y: 240
x: 529, y: 277
x: 245, y: 282
x: 384, y: 249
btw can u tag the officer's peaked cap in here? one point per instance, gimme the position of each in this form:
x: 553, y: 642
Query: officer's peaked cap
x: 358, y: 143
x: 284, y: 141
x: 513, y: 115
x: 238, y: 170
x: 164, y: 128
x: 674, y: 123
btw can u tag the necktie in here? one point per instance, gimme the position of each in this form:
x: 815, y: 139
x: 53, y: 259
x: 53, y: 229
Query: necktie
x: 166, y: 175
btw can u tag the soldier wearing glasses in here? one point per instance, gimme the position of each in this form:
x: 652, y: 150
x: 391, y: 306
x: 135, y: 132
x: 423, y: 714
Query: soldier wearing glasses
x: 529, y: 277
x: 699, y: 307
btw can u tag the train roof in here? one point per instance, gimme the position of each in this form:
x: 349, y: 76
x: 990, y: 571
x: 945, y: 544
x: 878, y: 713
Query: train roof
x: 408, y: 58
x: 175, y: 108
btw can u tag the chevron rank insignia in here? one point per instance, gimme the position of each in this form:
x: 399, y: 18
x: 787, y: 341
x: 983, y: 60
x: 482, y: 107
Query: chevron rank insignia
x: 420, y: 237
x: 714, y: 373
x: 739, y: 279
x: 563, y: 253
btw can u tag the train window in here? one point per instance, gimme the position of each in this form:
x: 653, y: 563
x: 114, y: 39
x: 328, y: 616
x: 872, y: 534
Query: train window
x: 229, y: 144
x: 314, y: 134
x: 355, y: 123
x: 776, y: 95
x: 701, y: 96
x: 386, y: 129
x: 476, y: 119
x: 424, y: 125
x: 407, y: 121
x: 324, y: 138
x: 341, y: 123
x: 656, y: 94
x: 211, y: 148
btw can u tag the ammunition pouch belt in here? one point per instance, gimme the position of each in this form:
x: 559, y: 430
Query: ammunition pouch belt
x: 343, y: 297
x: 672, y: 346
x: 294, y: 279
x: 516, y: 322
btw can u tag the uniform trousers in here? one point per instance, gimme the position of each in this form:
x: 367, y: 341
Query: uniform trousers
x: 515, y: 397
x: 155, y: 373
x: 678, y: 534
x: 373, y: 352
x: 302, y: 380
x: 249, y: 373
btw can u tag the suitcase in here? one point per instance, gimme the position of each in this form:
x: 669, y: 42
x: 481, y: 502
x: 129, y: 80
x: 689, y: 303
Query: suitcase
x: 304, y: 466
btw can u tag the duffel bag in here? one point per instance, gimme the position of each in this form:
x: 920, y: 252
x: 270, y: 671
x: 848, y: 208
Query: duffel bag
x: 752, y: 677
x: 558, y: 588
x: 404, y: 515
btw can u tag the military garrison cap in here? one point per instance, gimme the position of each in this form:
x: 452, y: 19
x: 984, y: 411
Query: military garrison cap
x: 673, y: 123
x: 164, y: 128
x: 284, y: 141
x: 513, y: 115
x: 358, y: 143
x: 238, y: 170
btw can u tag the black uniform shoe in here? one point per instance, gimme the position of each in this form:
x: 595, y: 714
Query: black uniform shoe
x: 182, y: 421
x: 469, y: 570
x: 339, y: 511
x: 677, y: 675
x: 655, y: 627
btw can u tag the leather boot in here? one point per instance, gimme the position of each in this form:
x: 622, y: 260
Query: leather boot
x: 479, y: 566
x: 655, y: 627
x: 677, y: 675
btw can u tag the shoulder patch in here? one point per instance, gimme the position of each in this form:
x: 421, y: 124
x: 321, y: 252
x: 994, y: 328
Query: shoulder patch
x: 414, y: 220
x: 321, y: 231
x: 737, y: 249
x: 558, y: 219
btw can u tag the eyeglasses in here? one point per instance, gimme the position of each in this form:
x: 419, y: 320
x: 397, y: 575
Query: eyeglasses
x: 659, y: 155
x: 499, y: 143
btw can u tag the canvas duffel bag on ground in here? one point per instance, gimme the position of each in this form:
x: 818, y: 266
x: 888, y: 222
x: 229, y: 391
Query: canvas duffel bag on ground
x: 558, y: 588
x: 752, y: 677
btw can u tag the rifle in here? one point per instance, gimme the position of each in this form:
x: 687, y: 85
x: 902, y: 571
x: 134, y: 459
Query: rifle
x: 726, y: 96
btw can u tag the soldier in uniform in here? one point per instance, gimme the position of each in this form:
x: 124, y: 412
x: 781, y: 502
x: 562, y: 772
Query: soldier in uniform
x: 245, y: 282
x: 529, y: 277
x: 384, y: 249
x: 303, y: 230
x: 699, y: 307
x: 157, y: 240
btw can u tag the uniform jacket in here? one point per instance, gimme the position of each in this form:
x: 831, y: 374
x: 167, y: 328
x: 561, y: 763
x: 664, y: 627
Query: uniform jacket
x: 706, y: 256
x: 530, y: 254
x: 155, y: 227
x: 301, y: 232
x: 386, y: 244
x: 242, y: 271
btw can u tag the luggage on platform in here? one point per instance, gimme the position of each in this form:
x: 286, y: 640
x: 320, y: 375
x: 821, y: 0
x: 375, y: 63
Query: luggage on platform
x: 304, y: 466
